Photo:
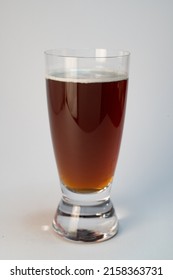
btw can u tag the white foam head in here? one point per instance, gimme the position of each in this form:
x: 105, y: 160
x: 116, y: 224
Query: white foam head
x: 87, y: 76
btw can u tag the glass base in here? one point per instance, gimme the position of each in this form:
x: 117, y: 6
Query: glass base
x: 85, y: 217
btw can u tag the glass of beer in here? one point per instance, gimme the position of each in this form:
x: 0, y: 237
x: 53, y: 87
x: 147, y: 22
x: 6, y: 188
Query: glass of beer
x: 86, y: 96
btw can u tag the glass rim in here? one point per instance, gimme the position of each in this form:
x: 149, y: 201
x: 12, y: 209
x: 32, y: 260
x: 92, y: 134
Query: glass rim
x: 86, y: 53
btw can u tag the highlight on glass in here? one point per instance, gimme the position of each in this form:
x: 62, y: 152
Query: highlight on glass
x: 86, y: 97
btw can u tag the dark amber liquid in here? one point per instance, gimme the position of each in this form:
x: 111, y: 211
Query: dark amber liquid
x: 86, y: 121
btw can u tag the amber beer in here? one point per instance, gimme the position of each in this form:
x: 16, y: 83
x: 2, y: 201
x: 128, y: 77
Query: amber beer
x: 86, y: 120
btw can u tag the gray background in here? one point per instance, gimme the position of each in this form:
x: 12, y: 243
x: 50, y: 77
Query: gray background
x: 143, y: 187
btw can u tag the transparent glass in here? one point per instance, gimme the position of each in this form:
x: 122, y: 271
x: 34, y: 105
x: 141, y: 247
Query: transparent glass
x: 86, y: 96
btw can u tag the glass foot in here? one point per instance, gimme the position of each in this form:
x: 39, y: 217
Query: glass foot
x: 85, y: 223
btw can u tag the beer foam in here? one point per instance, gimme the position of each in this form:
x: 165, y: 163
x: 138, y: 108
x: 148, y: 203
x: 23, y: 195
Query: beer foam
x: 87, y: 76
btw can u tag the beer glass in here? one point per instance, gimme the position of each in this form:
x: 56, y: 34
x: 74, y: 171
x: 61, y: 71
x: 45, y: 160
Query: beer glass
x: 86, y: 96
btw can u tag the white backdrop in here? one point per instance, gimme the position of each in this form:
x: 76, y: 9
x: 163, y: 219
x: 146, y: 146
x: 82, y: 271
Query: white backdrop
x: 143, y: 187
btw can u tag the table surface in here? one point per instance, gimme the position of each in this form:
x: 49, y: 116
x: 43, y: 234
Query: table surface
x: 28, y: 200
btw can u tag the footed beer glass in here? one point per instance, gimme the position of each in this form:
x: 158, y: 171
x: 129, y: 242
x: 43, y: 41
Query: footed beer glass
x: 86, y: 96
